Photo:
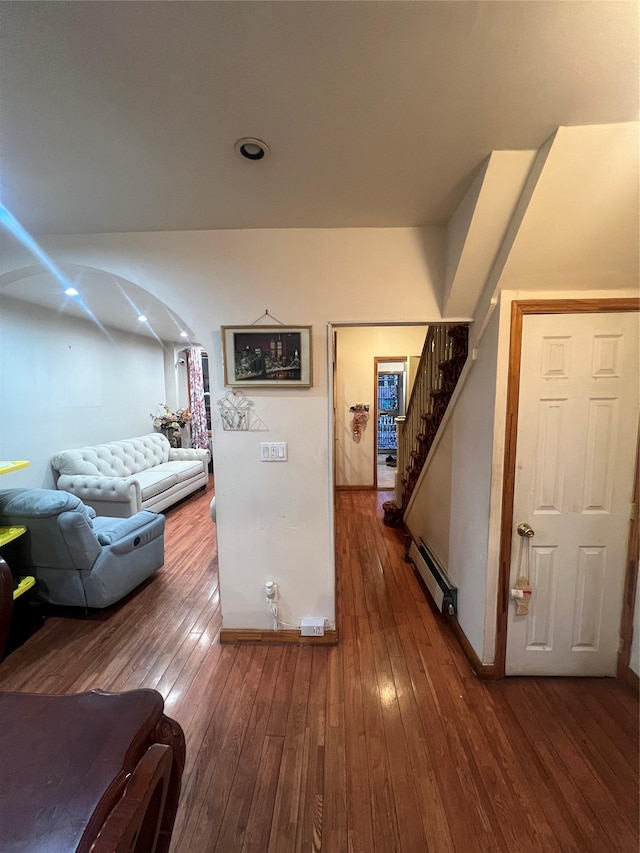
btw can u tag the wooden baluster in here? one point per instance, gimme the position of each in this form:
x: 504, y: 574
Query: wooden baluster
x: 443, y: 356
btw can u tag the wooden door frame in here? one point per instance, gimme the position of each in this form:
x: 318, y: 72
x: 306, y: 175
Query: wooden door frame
x: 518, y: 310
x: 630, y: 586
x: 377, y: 359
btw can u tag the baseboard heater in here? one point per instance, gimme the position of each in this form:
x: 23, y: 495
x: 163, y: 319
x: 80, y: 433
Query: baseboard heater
x: 440, y: 587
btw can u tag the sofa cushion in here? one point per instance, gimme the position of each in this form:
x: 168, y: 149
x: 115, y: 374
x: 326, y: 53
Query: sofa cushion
x: 154, y: 482
x: 183, y: 470
x: 115, y: 459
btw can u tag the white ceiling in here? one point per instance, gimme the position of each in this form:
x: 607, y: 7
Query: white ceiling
x: 103, y: 298
x: 121, y: 116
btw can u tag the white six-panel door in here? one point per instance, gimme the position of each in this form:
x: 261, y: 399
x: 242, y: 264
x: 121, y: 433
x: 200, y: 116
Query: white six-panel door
x: 577, y: 433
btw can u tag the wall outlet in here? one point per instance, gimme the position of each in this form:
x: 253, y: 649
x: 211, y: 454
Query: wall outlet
x: 312, y: 626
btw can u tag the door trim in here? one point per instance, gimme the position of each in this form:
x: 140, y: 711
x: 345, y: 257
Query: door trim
x: 630, y: 585
x: 518, y: 309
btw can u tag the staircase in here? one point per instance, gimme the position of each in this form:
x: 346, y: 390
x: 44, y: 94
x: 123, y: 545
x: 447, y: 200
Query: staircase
x: 443, y: 356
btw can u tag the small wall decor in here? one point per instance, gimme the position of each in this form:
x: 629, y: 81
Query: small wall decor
x: 235, y: 411
x: 359, y: 421
x: 267, y: 356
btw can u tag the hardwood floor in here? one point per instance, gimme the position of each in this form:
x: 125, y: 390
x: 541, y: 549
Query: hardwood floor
x: 386, y: 742
x: 385, y: 474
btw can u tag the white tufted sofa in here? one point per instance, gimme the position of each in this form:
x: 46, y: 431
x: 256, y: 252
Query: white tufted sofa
x: 122, y: 477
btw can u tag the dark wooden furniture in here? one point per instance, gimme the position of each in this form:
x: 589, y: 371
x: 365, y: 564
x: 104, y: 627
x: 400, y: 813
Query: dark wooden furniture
x: 94, y: 771
x: 6, y: 603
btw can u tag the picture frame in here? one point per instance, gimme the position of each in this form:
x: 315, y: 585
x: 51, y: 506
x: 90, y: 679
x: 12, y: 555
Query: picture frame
x: 267, y: 356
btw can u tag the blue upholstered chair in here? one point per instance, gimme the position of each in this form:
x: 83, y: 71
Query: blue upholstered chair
x: 78, y: 559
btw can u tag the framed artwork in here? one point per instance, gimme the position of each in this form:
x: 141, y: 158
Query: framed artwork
x: 267, y: 356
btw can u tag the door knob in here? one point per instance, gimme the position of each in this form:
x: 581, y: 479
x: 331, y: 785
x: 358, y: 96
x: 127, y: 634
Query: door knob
x: 525, y: 530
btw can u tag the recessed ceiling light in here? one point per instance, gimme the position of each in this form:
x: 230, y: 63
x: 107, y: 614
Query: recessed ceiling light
x: 142, y: 318
x: 71, y: 291
x: 251, y: 148
x: 184, y: 335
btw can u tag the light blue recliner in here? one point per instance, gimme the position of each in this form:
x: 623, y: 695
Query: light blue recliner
x: 78, y: 559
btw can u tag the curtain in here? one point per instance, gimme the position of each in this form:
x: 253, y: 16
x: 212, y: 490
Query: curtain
x: 199, y: 432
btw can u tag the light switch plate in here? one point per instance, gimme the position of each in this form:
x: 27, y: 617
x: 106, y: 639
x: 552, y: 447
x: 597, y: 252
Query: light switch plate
x: 273, y: 451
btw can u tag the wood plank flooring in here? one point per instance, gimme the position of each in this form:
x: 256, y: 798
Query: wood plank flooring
x: 385, y: 474
x: 386, y: 742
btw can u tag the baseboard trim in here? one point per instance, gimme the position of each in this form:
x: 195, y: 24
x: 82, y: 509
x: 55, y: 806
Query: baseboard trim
x: 253, y: 635
x: 484, y: 671
x: 631, y: 679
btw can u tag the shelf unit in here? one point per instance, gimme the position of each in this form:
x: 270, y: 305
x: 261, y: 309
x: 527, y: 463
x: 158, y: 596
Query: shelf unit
x: 8, y: 467
x: 9, y: 534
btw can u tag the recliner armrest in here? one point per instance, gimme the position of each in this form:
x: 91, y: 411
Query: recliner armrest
x: 113, y: 530
x: 151, y: 531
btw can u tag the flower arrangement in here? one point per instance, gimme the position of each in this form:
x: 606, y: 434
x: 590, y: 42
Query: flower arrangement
x: 171, y: 420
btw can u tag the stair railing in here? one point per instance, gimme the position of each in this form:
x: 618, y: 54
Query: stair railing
x: 443, y: 356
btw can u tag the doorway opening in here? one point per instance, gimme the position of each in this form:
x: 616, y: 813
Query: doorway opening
x: 356, y: 352
x: 390, y: 403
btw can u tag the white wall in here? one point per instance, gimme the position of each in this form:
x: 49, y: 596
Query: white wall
x: 452, y: 505
x: 582, y: 220
x: 275, y: 520
x: 476, y: 230
x: 64, y: 383
x: 471, y: 482
x: 357, y: 347
x: 458, y: 228
x: 429, y: 513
